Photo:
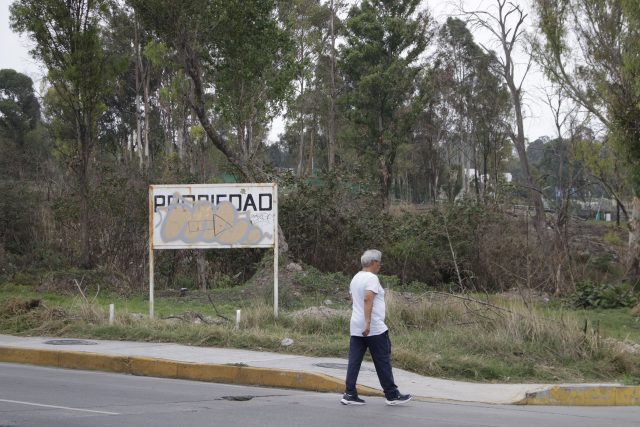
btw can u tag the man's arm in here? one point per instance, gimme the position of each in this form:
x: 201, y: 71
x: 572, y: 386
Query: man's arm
x: 368, y: 308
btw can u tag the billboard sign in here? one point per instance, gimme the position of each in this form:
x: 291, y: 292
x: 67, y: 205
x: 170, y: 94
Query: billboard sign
x: 200, y: 216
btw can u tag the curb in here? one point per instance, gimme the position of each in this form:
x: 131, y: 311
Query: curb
x: 574, y: 395
x: 163, y: 368
x: 584, y: 396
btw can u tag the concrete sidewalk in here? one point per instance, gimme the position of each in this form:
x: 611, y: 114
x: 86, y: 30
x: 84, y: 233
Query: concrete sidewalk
x: 287, y: 371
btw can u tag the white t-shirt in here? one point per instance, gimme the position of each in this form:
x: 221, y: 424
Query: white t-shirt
x: 361, y: 282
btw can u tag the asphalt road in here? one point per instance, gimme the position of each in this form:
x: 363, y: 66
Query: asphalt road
x: 38, y: 396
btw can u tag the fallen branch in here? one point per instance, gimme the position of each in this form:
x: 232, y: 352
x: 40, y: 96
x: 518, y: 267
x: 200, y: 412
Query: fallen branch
x: 216, y: 309
x: 189, y: 316
x: 488, y: 304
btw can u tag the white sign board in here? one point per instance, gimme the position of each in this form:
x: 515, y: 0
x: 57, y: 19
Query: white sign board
x: 202, y: 216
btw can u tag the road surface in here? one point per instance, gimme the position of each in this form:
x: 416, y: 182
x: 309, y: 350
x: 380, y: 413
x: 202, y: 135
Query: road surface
x: 39, y: 396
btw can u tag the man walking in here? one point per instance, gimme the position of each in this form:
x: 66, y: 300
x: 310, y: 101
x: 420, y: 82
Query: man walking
x: 368, y: 331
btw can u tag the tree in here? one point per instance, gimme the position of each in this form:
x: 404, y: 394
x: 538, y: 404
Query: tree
x: 308, y: 18
x: 589, y: 48
x: 19, y: 107
x: 384, y: 41
x: 23, y: 150
x: 239, y: 59
x: 22, y: 141
x: 67, y: 40
x: 505, y: 23
x: 476, y: 101
x: 333, y: 93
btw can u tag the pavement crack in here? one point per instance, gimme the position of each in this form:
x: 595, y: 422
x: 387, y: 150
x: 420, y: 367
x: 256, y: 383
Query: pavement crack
x: 244, y: 398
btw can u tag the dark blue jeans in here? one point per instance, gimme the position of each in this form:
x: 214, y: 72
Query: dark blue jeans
x: 380, y: 348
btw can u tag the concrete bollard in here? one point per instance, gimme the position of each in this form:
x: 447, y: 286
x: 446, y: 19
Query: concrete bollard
x: 112, y: 313
x: 237, y: 319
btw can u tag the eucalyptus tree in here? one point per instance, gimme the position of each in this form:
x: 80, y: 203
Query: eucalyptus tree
x: 67, y: 36
x: 384, y: 42
x: 308, y: 19
x: 332, y: 143
x: 476, y: 101
x: 589, y: 48
x: 239, y: 58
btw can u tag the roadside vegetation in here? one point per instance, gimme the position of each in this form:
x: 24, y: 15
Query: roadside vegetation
x: 504, y: 337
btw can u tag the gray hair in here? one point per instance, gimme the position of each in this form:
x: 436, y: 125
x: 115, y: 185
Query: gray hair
x: 369, y: 256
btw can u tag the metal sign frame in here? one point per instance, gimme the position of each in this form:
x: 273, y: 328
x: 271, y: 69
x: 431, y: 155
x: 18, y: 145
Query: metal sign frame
x: 213, y: 216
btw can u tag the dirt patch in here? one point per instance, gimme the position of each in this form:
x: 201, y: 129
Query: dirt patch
x: 527, y: 295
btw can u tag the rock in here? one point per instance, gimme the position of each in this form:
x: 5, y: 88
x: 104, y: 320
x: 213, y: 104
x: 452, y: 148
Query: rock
x: 327, y: 302
x: 286, y: 342
x: 293, y: 267
x: 136, y: 316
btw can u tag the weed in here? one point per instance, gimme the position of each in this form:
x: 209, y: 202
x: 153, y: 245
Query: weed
x: 612, y: 238
x: 602, y: 295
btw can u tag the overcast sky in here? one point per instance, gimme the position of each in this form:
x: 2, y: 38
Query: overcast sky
x: 14, y: 49
x: 14, y: 54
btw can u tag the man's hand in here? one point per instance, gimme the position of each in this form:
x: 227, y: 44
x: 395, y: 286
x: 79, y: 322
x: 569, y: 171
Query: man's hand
x: 365, y: 333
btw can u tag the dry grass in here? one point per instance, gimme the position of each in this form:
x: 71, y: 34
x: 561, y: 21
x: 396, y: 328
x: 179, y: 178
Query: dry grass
x: 454, y: 336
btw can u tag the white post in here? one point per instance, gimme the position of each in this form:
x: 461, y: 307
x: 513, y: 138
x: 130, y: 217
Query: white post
x: 151, y: 284
x: 275, y: 250
x: 237, y: 319
x: 112, y: 313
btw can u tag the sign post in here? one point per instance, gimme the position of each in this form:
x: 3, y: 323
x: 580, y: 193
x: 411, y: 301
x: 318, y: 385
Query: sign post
x: 213, y: 216
x: 275, y: 253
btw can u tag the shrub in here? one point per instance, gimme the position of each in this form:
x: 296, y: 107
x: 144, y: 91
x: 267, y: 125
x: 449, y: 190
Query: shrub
x: 329, y: 224
x: 604, y: 295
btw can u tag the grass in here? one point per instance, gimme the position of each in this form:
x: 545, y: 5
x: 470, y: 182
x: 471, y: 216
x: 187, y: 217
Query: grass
x: 497, y: 340
x: 615, y: 323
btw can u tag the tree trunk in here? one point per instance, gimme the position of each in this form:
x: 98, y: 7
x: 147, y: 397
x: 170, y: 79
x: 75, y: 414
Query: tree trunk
x: 633, y: 256
x: 301, y: 146
x: 202, y: 267
x: 332, y: 98
x: 310, y: 162
x: 147, y: 148
x: 138, y: 78
x: 385, y: 183
x: 249, y: 172
x: 84, y: 145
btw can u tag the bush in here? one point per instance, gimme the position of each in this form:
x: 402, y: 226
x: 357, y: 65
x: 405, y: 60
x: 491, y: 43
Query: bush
x: 19, y: 224
x: 605, y: 295
x: 329, y: 224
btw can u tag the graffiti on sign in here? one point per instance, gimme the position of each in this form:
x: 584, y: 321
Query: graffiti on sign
x: 212, y: 217
x: 204, y: 222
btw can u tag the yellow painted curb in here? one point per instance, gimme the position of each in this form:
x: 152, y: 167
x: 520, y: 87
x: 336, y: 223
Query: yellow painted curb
x: 145, y: 366
x: 585, y: 396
